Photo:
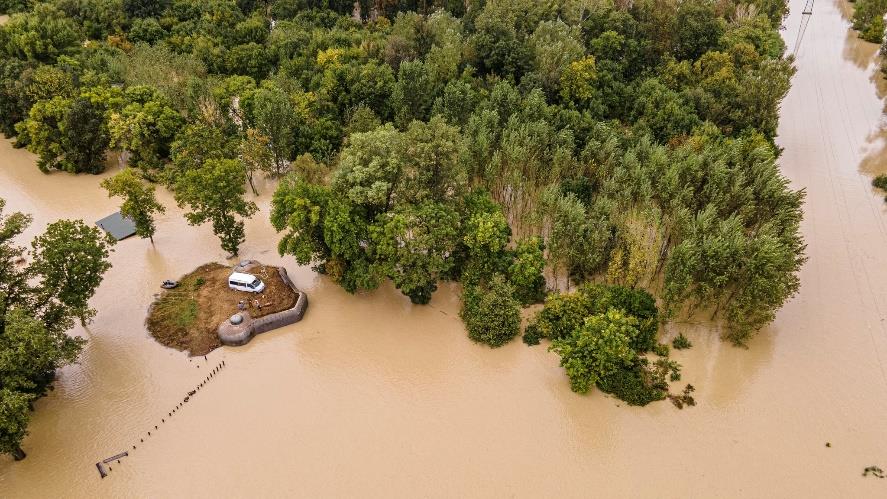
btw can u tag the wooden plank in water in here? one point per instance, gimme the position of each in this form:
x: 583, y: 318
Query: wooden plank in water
x: 114, y: 458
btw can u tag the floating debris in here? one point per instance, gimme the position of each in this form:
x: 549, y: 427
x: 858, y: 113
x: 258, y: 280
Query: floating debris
x: 873, y: 470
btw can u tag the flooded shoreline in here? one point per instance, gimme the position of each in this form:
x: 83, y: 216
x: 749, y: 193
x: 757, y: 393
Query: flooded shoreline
x: 371, y: 396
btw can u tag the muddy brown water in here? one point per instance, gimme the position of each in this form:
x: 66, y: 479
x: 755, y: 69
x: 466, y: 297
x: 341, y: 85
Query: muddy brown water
x: 370, y: 396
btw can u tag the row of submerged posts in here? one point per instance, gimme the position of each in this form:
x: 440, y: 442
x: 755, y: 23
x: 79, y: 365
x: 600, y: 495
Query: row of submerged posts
x: 104, y: 466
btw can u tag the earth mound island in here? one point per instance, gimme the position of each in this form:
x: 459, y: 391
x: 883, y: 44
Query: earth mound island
x: 202, y: 313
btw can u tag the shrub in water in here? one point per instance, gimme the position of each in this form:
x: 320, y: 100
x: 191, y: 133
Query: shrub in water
x: 636, y: 302
x: 661, y: 349
x: 531, y: 336
x: 635, y: 384
x: 681, y: 342
x: 564, y: 312
x: 490, y: 312
x: 597, y: 350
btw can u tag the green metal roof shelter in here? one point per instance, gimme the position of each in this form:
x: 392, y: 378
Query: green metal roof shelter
x: 118, y: 226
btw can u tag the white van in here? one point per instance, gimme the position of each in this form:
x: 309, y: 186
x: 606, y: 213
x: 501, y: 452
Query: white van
x: 245, y: 282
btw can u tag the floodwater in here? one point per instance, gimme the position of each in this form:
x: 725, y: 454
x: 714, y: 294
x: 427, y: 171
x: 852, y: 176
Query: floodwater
x: 371, y: 396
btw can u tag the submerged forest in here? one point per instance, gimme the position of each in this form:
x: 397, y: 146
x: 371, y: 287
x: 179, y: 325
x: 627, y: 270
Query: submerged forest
x: 612, y: 161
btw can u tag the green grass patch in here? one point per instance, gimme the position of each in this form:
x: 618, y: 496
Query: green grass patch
x: 176, y: 309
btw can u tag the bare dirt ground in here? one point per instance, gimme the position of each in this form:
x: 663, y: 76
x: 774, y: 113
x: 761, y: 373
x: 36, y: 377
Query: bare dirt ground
x: 186, y: 318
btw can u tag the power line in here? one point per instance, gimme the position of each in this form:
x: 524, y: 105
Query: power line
x: 806, y: 14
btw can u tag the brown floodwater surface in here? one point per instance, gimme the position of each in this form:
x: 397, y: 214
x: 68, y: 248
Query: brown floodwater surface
x: 371, y: 396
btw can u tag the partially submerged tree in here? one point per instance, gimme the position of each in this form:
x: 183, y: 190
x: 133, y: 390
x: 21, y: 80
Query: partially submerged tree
x: 214, y: 193
x: 490, y: 312
x: 256, y: 155
x: 71, y: 258
x: 38, y: 304
x: 68, y: 134
x: 139, y: 203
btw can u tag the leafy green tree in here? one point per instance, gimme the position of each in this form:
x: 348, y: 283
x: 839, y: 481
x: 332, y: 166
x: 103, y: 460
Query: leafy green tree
x: 300, y: 208
x: 147, y: 30
x: 485, y: 235
x: 347, y: 232
x: 145, y: 127
x: 499, y: 47
x: 255, y: 152
x: 456, y: 103
x: 414, y: 244
x: 275, y: 117
x: 636, y: 382
x: 172, y: 75
x: 14, y: 418
x: 139, y: 202
x: 13, y: 103
x: 490, y: 312
x: 562, y: 314
x: 525, y: 271
x: 13, y: 6
x: 578, y: 239
x: 362, y: 120
x: 555, y: 46
x: 698, y: 29
x: 350, y: 85
x: 214, y: 193
x: 197, y: 143
x: 758, y: 32
x: 68, y: 134
x: 370, y: 167
x: 41, y: 34
x: 254, y: 29
x: 663, y: 111
x: 868, y: 19
x: 325, y: 229
x: 46, y: 82
x: 144, y: 8
x: 309, y: 169
x: 413, y: 94
x: 433, y: 157
x: 577, y: 81
x: 598, y: 349
x: 38, y: 303
x: 250, y: 59
x: 30, y: 353
x: 71, y: 258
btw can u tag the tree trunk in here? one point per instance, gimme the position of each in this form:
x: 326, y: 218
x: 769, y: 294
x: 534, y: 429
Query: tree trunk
x: 355, y: 14
x: 253, y: 187
x: 18, y: 454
